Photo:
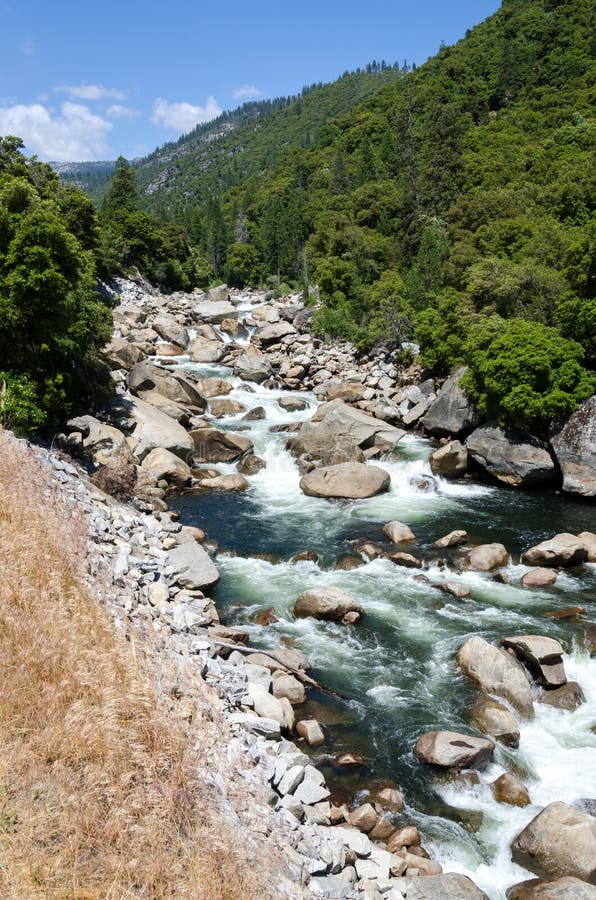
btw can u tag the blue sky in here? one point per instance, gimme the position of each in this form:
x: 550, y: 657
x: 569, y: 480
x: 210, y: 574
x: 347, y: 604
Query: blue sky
x: 82, y: 80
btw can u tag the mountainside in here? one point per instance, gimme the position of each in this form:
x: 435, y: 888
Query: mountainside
x: 237, y: 144
x: 449, y: 203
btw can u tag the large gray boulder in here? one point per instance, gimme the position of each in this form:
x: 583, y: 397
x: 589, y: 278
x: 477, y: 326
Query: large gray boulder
x: 562, y: 550
x: 542, y: 655
x: 566, y: 888
x: 162, y: 464
x: 211, y: 445
x: 155, y: 429
x: 214, y: 311
x: 452, y: 750
x: 272, y: 334
x: 486, y: 557
x: 496, y: 673
x: 192, y: 567
x: 319, y: 443
x: 339, y: 432
x: 104, y: 443
x: 450, y: 461
x: 170, y: 330
x: 327, y: 603
x: 350, y: 481
x: 453, y: 411
x: 146, y: 377
x: 560, y: 840
x: 252, y: 366
x: 574, y: 446
x: 201, y: 351
x: 493, y: 718
x: 516, y: 459
x: 448, y: 886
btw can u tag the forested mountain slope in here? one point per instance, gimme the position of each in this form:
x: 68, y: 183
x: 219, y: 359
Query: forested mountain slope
x: 237, y: 144
x: 454, y: 206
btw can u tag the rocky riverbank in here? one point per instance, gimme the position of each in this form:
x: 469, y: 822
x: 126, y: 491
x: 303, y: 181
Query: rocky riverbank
x: 160, y: 431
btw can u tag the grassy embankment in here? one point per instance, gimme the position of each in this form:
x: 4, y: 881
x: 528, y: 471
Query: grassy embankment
x: 100, y: 795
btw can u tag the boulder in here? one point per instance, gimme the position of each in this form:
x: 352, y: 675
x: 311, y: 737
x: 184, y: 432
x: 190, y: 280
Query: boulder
x: 493, y: 718
x: 327, y: 603
x: 454, y: 589
x: 104, y: 442
x: 211, y: 445
x: 408, y: 836
x: 317, y: 442
x: 170, y: 330
x: 509, y: 789
x: 588, y: 539
x: 566, y: 888
x: 145, y: 378
x: 287, y: 685
x: 364, y: 818
x: 560, y: 840
x: 235, y: 483
x: 225, y: 407
x: 213, y: 387
x: 214, y: 311
x: 453, y: 411
x: 292, y: 404
x: 539, y: 578
x: 266, y: 314
x: 351, y: 481
x: 201, y: 351
x: 453, y: 539
x: 350, y: 426
x: 574, y: 446
x: 250, y: 464
x: 349, y: 392
x: 273, y: 333
x: 155, y: 429
x: 448, y: 886
x: 452, y: 750
x: 123, y: 354
x: 252, y: 366
x: 192, y: 567
x: 450, y: 461
x: 405, y: 559
x: 161, y: 464
x: 569, y: 696
x: 513, y: 458
x: 543, y: 656
x: 268, y: 706
x: 487, y: 557
x: 311, y: 731
x: 562, y: 550
x: 398, y: 532
x: 496, y: 672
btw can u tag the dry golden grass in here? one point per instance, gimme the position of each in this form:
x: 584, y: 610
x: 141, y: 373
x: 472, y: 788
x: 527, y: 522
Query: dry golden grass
x: 99, y: 796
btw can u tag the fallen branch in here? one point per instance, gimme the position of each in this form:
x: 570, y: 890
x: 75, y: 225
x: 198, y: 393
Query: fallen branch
x: 298, y: 673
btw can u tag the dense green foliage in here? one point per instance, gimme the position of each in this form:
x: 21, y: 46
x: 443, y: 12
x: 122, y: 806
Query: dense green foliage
x: 52, y: 321
x: 131, y: 237
x: 455, y: 198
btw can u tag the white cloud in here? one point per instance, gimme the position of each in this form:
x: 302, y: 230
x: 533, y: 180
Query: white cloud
x: 247, y: 92
x: 75, y: 133
x: 184, y: 116
x: 90, y: 91
x: 117, y: 111
x: 28, y: 47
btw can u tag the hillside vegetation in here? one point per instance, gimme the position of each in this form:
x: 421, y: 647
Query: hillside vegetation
x: 454, y: 207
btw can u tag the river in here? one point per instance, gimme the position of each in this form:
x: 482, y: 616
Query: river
x: 396, y: 668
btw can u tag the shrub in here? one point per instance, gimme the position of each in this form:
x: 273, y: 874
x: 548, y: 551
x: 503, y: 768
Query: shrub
x: 526, y: 375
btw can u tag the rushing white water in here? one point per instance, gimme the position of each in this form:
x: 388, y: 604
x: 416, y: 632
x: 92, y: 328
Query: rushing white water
x: 397, y: 667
